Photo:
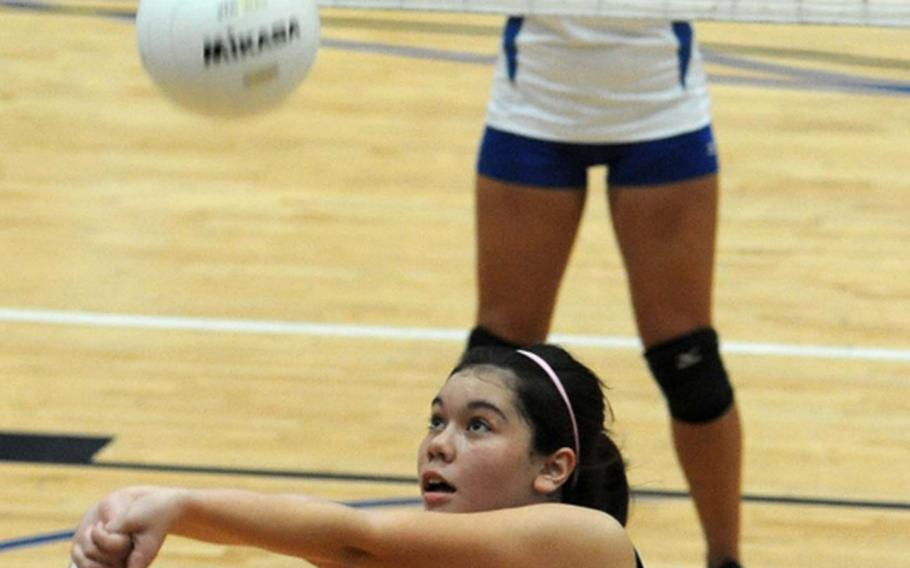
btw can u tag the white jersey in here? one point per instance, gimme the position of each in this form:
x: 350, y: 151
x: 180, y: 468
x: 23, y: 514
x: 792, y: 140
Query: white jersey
x: 598, y: 80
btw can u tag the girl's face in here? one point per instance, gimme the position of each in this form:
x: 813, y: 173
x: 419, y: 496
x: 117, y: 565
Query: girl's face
x: 477, y: 454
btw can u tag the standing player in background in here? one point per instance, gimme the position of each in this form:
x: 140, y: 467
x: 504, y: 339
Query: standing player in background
x: 570, y: 93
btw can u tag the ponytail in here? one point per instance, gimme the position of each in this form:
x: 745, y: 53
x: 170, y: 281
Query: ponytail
x: 602, y: 482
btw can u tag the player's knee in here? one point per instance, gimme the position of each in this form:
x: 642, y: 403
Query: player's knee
x: 691, y: 375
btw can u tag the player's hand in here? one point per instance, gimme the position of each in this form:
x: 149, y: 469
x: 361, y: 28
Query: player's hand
x: 126, y: 529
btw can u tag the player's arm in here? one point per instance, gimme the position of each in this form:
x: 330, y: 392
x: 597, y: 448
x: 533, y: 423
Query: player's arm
x: 547, y: 536
x: 333, y: 534
x: 534, y: 536
x: 296, y: 525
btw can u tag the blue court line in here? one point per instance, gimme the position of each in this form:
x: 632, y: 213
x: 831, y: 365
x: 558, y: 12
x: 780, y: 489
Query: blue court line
x: 770, y: 499
x: 35, y: 540
x: 800, y: 76
x: 787, y: 77
x: 806, y: 85
x: 840, y: 502
x: 409, y: 52
x: 276, y: 473
x: 68, y: 10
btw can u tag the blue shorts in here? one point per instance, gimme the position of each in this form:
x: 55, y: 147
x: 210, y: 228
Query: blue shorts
x: 529, y: 161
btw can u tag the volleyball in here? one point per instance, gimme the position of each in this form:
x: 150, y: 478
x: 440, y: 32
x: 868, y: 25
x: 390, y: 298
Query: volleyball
x: 227, y: 57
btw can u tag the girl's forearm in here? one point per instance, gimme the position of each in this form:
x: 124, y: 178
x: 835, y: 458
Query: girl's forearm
x: 288, y: 524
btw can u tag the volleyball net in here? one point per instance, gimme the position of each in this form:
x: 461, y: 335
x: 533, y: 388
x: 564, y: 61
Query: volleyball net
x: 885, y: 13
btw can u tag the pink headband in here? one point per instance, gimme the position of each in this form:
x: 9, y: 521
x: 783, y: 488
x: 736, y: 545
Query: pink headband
x: 565, y: 398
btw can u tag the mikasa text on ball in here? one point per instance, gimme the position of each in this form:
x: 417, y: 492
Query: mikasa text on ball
x: 228, y: 57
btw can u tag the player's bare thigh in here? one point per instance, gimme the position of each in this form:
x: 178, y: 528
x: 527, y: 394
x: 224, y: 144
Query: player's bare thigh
x: 524, y: 239
x: 667, y: 235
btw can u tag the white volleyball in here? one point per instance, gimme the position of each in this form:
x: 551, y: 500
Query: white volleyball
x: 228, y: 57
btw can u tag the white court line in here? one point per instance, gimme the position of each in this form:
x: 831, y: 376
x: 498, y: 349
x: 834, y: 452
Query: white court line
x: 357, y: 331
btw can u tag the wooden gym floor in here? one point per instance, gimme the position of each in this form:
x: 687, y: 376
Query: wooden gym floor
x: 271, y: 303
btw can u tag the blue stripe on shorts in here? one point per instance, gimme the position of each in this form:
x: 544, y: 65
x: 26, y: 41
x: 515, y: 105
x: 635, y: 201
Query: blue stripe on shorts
x: 541, y: 163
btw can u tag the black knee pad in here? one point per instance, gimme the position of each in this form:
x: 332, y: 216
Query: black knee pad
x: 481, y: 336
x: 692, y: 377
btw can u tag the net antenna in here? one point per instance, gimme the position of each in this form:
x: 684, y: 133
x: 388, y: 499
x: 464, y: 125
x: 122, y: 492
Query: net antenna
x: 883, y: 13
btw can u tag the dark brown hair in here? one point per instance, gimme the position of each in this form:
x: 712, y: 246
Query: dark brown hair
x: 602, y: 483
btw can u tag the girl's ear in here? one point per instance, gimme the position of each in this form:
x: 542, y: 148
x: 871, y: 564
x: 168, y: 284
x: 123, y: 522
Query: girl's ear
x: 555, y: 471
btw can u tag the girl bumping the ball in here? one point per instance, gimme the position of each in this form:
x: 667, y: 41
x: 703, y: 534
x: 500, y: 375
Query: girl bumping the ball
x: 516, y: 445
